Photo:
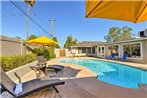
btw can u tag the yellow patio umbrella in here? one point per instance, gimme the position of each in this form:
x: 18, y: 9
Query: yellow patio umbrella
x: 127, y: 10
x: 43, y: 40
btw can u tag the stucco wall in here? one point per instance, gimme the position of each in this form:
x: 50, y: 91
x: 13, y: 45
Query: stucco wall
x: 56, y: 51
x: 11, y: 46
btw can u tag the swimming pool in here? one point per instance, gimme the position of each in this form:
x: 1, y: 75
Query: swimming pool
x: 113, y: 73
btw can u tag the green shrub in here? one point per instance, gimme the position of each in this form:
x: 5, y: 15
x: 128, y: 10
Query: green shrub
x: 38, y: 51
x: 74, y: 55
x: 11, y: 62
x: 82, y: 55
x: 51, y: 53
x: 46, y: 54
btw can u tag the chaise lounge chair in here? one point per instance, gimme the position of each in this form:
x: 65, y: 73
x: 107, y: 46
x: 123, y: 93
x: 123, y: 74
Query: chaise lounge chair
x: 124, y: 58
x: 57, y: 68
x: 112, y: 56
x: 29, y: 87
x: 41, y: 61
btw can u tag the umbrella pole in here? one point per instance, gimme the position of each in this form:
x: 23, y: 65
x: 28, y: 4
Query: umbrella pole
x: 43, y: 46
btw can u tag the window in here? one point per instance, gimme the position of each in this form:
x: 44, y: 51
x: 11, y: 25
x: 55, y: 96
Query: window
x: 79, y: 50
x: 99, y: 49
x: 113, y: 49
x: 102, y: 49
x: 89, y: 50
x: 93, y: 50
x: 83, y: 50
x: 133, y: 50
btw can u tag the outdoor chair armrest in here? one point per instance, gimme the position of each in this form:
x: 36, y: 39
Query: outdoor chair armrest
x: 18, y: 77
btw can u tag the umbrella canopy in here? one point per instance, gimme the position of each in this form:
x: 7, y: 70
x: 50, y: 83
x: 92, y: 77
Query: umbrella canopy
x: 43, y: 40
x: 131, y: 10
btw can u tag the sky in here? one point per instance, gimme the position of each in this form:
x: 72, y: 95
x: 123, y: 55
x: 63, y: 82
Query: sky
x: 70, y: 20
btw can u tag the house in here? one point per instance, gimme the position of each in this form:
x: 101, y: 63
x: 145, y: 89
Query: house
x: 136, y: 49
x: 87, y: 48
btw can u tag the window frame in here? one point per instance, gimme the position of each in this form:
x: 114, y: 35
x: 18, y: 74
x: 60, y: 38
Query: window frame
x: 119, y: 48
x: 141, y: 54
x: 83, y: 49
x: 93, y: 50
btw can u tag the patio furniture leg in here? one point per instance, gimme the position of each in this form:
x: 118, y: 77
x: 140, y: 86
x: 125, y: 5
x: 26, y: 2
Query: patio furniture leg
x: 39, y: 72
x: 55, y: 89
x: 2, y: 89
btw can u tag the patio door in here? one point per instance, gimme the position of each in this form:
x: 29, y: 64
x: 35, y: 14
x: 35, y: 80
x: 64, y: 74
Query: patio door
x: 101, y: 51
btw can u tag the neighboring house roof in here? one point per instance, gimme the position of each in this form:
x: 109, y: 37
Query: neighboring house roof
x: 88, y: 44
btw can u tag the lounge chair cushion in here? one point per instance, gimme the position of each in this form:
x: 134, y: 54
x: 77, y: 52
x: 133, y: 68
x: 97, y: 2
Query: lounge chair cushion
x: 56, y: 67
x: 18, y: 89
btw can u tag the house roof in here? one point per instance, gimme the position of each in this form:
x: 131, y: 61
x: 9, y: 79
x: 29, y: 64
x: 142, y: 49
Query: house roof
x: 99, y: 43
x: 128, y: 41
x: 88, y: 44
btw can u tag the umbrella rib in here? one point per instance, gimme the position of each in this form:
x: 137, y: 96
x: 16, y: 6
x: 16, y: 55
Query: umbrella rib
x: 140, y: 13
x: 94, y: 8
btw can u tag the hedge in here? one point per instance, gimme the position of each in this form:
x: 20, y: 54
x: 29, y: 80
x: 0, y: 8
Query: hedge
x: 12, y: 62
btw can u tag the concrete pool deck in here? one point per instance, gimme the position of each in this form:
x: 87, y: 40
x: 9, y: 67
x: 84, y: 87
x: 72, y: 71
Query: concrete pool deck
x: 80, y: 82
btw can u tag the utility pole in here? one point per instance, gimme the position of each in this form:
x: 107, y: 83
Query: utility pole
x: 52, y: 27
x: 27, y: 21
x: 29, y: 3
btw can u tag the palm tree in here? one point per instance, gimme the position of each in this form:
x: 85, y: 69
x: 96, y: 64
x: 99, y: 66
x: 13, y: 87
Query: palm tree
x: 29, y: 3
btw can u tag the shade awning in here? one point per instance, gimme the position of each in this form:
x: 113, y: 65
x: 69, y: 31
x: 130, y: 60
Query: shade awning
x: 43, y: 40
x: 131, y: 10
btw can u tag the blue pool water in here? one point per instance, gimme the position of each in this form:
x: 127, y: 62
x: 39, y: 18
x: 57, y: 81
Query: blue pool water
x: 113, y: 73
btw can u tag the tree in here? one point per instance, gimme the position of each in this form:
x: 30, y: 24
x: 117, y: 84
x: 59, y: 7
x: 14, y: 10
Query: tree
x: 113, y: 34
x: 75, y: 41
x: 70, y: 41
x: 29, y: 3
x: 32, y: 37
x: 126, y: 33
x: 118, y: 34
x: 55, y: 39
